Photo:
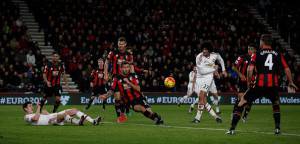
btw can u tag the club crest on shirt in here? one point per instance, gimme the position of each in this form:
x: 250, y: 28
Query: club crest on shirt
x: 126, y: 86
x: 55, y: 73
x: 100, y: 75
x: 120, y: 61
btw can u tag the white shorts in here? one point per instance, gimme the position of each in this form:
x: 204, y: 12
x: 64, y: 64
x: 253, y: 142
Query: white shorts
x: 213, y: 87
x: 190, y: 89
x: 47, y: 119
x: 205, y: 84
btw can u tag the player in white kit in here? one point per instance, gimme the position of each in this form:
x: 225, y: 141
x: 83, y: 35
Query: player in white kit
x: 206, y: 67
x: 45, y: 118
x: 191, y: 86
x: 213, y: 95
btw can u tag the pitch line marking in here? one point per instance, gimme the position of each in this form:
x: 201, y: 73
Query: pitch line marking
x: 198, y: 128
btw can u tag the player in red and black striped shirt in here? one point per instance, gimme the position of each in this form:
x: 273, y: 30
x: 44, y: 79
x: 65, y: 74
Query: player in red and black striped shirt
x: 98, y: 82
x: 115, y: 59
x: 127, y: 84
x: 52, y: 76
x: 268, y: 64
x: 240, y: 67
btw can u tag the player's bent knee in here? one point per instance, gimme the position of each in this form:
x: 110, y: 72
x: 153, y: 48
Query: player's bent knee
x: 72, y: 111
x: 139, y: 108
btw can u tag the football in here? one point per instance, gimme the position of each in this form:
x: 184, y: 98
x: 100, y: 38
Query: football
x: 169, y: 82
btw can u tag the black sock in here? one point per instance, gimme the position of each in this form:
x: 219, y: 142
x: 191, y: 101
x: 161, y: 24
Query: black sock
x: 122, y: 105
x: 247, y: 110
x: 127, y: 108
x: 236, y: 117
x: 56, y: 105
x: 150, y: 115
x: 235, y: 105
x: 276, y: 115
x: 89, y: 104
x: 103, y: 104
x: 43, y: 103
x: 118, y: 108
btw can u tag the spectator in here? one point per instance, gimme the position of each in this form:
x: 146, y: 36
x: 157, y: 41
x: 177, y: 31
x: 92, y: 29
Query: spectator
x: 30, y: 58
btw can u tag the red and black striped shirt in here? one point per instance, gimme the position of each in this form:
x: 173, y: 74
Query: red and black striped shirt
x: 53, y: 72
x: 242, y: 63
x: 116, y: 58
x: 125, y: 89
x: 269, y: 64
x: 97, y: 77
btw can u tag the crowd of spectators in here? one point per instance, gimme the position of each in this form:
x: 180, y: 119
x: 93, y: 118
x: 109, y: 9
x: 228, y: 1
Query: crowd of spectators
x: 284, y: 17
x: 164, y: 35
x: 20, y: 60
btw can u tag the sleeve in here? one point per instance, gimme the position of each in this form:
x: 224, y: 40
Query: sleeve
x: 28, y: 118
x: 253, y: 59
x: 283, y: 61
x: 198, y: 59
x: 114, y: 84
x: 130, y: 58
x: 137, y: 69
x: 92, y: 75
x: 191, y: 76
x: 63, y: 68
x: 135, y: 80
x: 46, y: 68
x: 238, y: 61
x: 221, y: 61
x: 110, y: 56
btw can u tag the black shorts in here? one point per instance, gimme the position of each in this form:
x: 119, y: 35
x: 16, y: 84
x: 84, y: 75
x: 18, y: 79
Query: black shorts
x: 242, y: 87
x: 258, y: 92
x: 140, y: 101
x: 54, y: 90
x: 98, y: 90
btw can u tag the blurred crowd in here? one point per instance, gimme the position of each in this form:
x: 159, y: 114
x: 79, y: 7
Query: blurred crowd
x: 284, y: 17
x: 164, y: 35
x: 21, y: 60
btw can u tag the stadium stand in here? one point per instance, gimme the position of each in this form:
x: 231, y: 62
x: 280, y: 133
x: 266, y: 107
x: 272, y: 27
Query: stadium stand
x: 164, y: 35
x: 21, y: 60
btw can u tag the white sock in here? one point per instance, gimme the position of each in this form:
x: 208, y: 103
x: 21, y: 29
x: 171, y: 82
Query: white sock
x: 71, y: 120
x: 217, y: 103
x: 210, y: 110
x: 199, y: 112
x: 88, y: 118
x: 217, y: 108
x: 183, y: 98
x: 212, y: 99
x: 195, y: 102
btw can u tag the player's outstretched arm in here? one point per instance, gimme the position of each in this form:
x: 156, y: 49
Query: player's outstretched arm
x: 249, y: 74
x: 107, y: 95
x: 106, y: 64
x: 290, y: 79
x: 242, y: 77
x: 288, y: 73
x: 194, y: 81
x: 134, y: 86
x: 45, y: 80
x: 37, y: 113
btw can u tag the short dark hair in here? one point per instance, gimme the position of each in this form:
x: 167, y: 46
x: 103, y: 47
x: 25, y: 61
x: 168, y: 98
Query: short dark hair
x: 252, y: 45
x: 53, y: 53
x: 26, y: 104
x: 267, y: 39
x: 124, y: 63
x: 122, y: 39
x: 207, y: 45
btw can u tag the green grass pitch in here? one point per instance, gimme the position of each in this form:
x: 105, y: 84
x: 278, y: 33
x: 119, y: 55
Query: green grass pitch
x: 178, y: 128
